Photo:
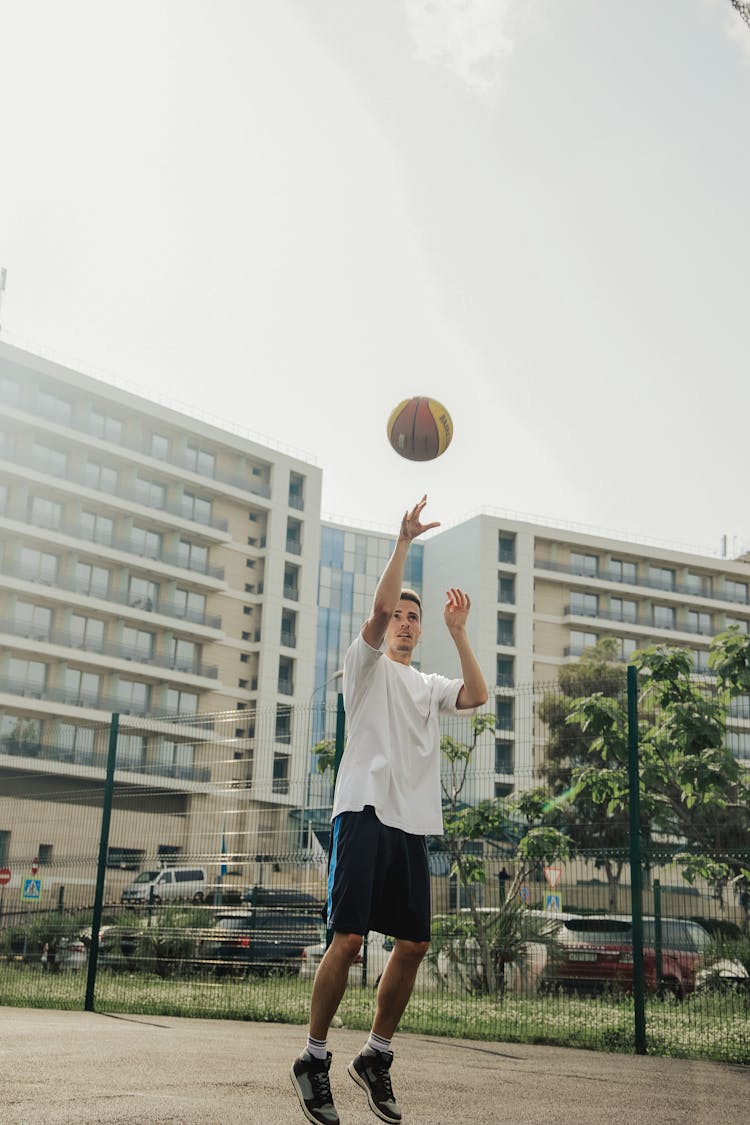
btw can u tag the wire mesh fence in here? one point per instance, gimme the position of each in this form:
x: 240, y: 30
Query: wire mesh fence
x: 212, y: 878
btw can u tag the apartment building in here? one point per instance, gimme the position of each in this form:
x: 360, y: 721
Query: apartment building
x: 542, y: 595
x: 154, y: 566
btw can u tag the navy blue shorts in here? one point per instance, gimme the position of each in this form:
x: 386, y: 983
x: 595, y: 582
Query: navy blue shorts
x: 378, y: 879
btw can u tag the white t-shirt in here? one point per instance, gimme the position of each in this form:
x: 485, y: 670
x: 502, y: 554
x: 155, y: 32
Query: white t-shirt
x: 392, y: 755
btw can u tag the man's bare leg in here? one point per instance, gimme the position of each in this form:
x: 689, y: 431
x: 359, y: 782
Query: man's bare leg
x: 330, y: 982
x: 397, y: 984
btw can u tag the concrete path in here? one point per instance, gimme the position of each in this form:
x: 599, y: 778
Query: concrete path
x: 85, y: 1068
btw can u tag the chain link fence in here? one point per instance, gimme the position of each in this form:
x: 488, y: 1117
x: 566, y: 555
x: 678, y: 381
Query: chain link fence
x: 157, y: 870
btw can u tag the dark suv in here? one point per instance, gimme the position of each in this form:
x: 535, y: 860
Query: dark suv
x: 267, y: 934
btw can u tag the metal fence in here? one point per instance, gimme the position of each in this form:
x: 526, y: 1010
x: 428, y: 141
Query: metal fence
x: 158, y: 869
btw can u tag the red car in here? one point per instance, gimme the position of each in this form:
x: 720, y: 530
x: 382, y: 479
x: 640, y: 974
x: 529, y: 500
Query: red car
x: 596, y: 952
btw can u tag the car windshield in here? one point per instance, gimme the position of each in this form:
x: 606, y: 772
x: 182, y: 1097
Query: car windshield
x: 233, y: 923
x: 146, y: 877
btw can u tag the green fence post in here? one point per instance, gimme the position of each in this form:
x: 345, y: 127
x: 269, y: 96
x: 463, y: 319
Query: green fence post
x: 636, y: 864
x: 96, y: 921
x: 658, y: 938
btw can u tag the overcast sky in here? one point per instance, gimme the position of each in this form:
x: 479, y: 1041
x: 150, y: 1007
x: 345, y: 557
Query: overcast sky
x: 290, y: 215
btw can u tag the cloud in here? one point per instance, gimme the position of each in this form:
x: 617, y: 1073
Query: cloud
x: 472, y: 38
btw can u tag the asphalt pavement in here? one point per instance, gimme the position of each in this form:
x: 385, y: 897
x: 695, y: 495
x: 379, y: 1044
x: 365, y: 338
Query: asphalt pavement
x: 84, y: 1068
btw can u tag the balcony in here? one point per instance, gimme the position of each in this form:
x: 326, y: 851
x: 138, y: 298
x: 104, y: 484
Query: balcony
x: 85, y: 756
x: 653, y: 583
x: 65, y: 638
x: 161, y: 606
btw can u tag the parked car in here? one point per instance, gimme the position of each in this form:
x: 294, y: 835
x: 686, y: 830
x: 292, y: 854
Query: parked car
x: 71, y: 953
x: 268, y: 936
x: 596, y: 951
x: 367, y: 967
x: 168, y: 884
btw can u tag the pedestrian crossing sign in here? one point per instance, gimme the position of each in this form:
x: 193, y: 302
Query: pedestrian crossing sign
x: 31, y: 891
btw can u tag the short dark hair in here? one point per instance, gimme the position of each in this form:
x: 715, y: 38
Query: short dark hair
x: 412, y: 596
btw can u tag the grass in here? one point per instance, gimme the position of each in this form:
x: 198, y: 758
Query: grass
x: 711, y: 1026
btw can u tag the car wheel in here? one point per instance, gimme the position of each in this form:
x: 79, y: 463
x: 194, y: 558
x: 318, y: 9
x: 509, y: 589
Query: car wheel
x: 198, y: 898
x: 671, y: 989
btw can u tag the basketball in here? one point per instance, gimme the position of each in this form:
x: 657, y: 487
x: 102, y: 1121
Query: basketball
x: 420, y: 429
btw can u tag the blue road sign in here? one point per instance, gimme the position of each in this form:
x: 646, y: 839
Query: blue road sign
x: 31, y: 891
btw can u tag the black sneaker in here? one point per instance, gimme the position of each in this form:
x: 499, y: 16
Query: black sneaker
x: 310, y: 1080
x: 371, y: 1071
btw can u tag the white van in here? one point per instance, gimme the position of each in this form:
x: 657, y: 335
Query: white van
x: 169, y: 884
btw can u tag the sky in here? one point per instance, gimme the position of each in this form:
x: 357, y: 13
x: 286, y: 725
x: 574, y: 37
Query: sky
x: 287, y: 217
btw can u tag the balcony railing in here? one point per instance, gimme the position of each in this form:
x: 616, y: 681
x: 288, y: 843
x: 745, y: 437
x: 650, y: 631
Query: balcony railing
x: 644, y: 582
x: 78, y: 756
x: 65, y: 638
x: 161, y: 606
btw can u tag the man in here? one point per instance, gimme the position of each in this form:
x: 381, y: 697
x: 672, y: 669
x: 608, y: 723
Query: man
x: 387, y: 800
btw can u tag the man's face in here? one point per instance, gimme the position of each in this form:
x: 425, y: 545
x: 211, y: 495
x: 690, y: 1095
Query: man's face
x: 403, y: 632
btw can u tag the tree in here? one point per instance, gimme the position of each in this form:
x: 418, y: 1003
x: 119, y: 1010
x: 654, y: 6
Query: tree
x: 498, y: 935
x: 694, y: 794
x: 591, y: 824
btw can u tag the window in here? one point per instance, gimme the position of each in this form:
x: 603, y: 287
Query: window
x: 286, y: 676
x: 697, y: 584
x: 130, y: 751
x: 53, y: 407
x: 28, y: 677
x: 4, y: 846
x: 281, y: 773
x: 283, y: 730
x: 3, y: 498
x: 662, y: 577
x: 97, y: 528
x: 106, y: 427
x: 738, y: 741
x: 190, y: 605
x: 132, y: 695
x: 160, y: 447
x: 150, y: 493
x: 580, y: 640
x: 700, y: 661
x: 33, y: 620
x: 506, y: 589
x: 621, y: 570
x: 504, y: 713
x: 739, y: 708
x: 125, y: 859
x: 584, y: 564
x: 623, y: 609
x: 138, y: 643
x: 200, y: 461
x: 505, y: 671
x: 86, y: 632
x: 296, y: 491
x: 185, y: 655
x: 626, y: 646
x: 504, y: 630
x: 585, y: 605
x: 44, y: 854
x: 288, y: 628
x: 196, y: 508
x: 145, y: 542
x: 46, y: 513
x: 10, y: 391
x: 101, y: 477
x: 735, y: 591
x: 38, y: 566
x: 737, y: 623
x: 192, y: 556
x: 698, y: 622
x: 294, y: 536
x: 181, y: 702
x: 506, y: 547
x: 291, y: 581
x: 143, y: 594
x: 664, y: 616
x: 81, y: 688
x: 77, y: 743
x: 503, y: 755
x: 47, y: 459
x: 92, y: 580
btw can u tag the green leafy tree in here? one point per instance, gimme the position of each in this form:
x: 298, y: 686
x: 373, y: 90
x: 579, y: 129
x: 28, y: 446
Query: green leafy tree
x: 585, y: 814
x: 693, y: 790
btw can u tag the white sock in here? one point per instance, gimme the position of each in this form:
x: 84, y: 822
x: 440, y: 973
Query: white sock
x: 317, y: 1048
x: 378, y: 1043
